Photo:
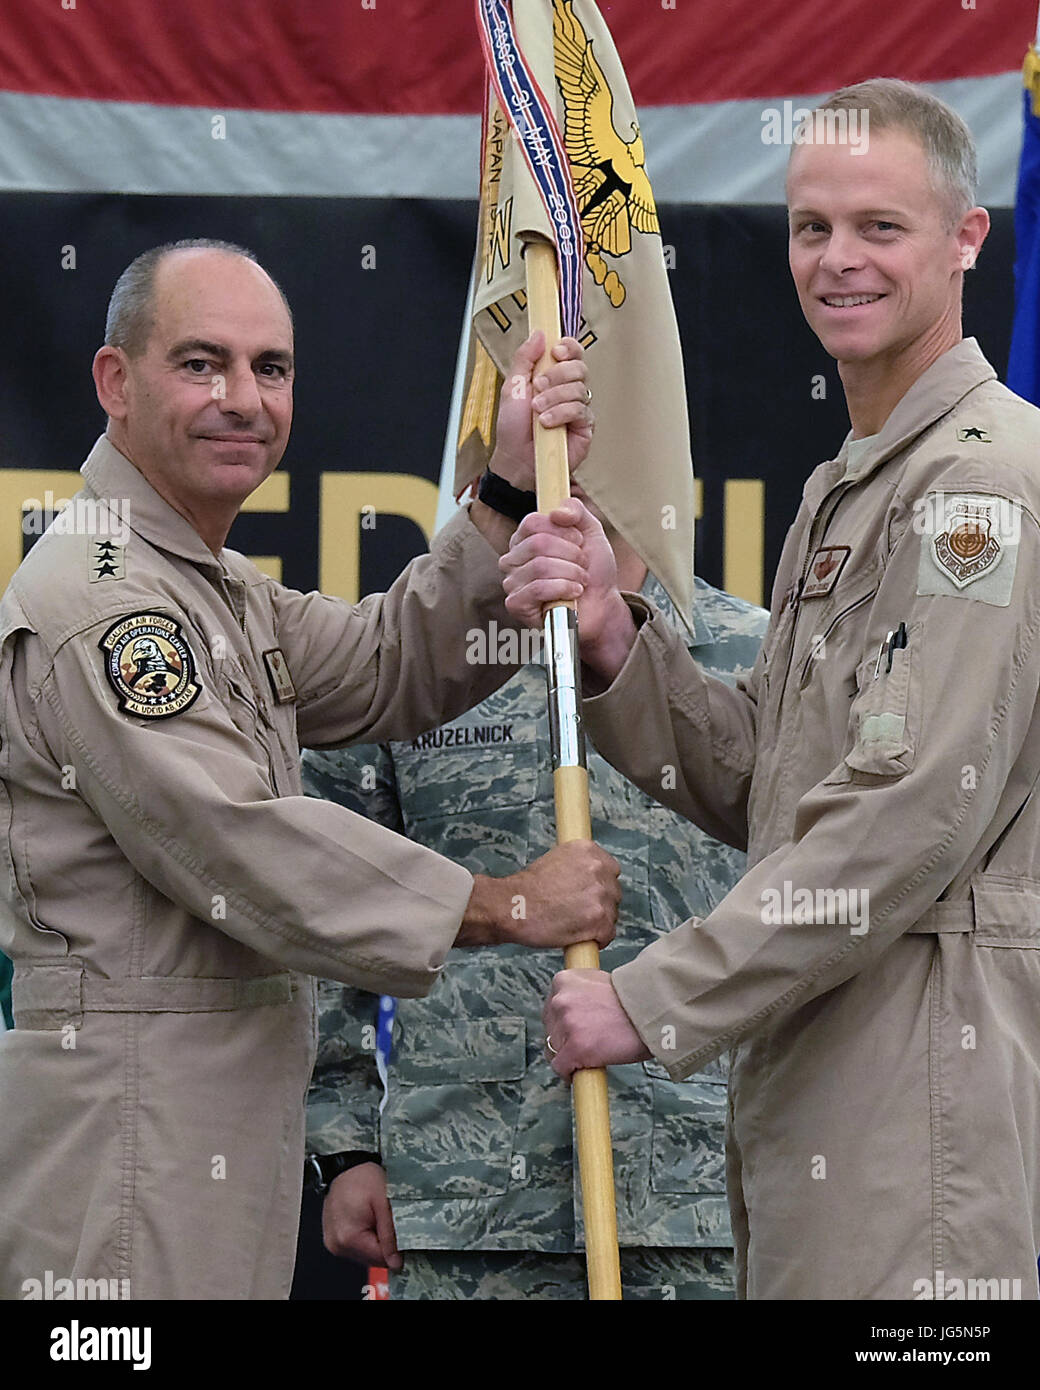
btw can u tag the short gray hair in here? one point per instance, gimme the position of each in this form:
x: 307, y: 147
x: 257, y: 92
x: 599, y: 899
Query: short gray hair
x: 942, y: 134
x: 131, y: 309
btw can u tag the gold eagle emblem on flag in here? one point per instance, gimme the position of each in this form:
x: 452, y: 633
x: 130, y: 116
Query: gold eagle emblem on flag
x: 610, y: 180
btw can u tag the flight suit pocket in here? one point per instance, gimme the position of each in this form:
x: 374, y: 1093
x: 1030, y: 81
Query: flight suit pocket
x: 459, y: 769
x: 240, y: 701
x: 242, y: 705
x: 687, y: 1142
x: 884, y: 716
x: 19, y: 841
x: 1007, y: 912
x: 449, y: 1126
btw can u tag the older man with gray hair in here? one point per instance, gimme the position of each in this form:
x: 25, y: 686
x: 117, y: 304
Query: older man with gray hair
x: 168, y: 889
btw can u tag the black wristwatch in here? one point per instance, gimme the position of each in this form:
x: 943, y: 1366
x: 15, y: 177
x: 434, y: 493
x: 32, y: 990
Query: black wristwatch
x: 504, y: 498
x: 320, y: 1169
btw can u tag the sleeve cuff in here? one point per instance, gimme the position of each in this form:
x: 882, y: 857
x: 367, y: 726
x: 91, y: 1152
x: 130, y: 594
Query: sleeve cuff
x: 652, y: 630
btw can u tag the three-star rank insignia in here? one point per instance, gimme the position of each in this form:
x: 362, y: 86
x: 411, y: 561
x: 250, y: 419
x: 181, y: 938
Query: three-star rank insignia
x: 106, y: 561
x: 150, y: 666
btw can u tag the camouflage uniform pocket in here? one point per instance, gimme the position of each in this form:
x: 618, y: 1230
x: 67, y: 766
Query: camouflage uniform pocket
x: 688, y: 1137
x: 448, y: 1129
x: 472, y: 804
x: 452, y: 771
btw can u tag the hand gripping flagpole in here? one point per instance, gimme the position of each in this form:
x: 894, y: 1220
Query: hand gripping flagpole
x: 554, y: 300
x: 571, y: 792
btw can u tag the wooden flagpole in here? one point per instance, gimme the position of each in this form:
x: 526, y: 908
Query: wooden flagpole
x: 571, y: 791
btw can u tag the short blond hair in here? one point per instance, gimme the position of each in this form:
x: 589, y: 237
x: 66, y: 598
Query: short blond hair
x: 946, y: 140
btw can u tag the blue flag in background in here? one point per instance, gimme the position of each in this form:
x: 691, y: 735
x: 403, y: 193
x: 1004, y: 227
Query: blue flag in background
x: 1024, y: 363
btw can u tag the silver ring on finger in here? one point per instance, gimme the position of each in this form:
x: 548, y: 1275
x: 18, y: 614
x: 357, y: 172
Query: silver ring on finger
x: 588, y: 394
x: 548, y: 1043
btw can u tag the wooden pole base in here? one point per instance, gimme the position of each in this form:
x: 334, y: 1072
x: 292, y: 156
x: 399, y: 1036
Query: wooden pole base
x: 573, y: 822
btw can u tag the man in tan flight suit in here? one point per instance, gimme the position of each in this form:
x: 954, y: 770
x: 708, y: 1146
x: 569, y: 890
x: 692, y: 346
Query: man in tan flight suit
x: 169, y: 888
x: 877, y: 971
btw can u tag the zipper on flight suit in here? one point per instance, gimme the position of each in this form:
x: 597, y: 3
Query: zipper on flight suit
x: 819, y: 641
x: 816, y: 531
x: 232, y: 599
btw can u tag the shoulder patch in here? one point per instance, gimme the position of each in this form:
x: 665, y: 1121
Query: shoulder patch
x: 969, y: 546
x: 150, y: 666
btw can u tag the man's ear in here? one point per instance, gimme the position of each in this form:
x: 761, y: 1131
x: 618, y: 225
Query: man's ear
x: 110, y: 381
x: 971, y: 233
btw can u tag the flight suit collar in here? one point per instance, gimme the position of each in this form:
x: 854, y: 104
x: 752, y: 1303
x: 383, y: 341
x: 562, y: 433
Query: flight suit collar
x: 934, y: 393
x: 109, y: 473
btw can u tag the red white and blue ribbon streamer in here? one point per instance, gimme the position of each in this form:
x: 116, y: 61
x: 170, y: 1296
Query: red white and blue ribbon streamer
x: 531, y: 117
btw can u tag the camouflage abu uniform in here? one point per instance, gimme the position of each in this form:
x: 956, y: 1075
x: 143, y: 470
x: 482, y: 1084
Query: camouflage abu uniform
x: 476, y: 1135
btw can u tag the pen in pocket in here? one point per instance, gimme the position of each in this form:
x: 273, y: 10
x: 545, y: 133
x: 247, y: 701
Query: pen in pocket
x: 896, y: 639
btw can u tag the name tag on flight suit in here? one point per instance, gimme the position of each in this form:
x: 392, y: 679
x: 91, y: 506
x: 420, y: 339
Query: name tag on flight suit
x: 278, y: 672
x: 825, y: 570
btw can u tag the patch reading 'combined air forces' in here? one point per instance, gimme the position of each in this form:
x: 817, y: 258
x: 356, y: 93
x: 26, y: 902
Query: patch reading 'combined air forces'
x: 150, y: 666
x: 969, y: 546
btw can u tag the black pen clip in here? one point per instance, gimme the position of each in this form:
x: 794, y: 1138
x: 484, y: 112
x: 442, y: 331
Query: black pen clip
x: 896, y: 638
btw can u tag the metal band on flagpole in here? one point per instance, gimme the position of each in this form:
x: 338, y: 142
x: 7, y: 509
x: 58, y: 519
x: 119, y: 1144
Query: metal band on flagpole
x: 566, y: 733
x: 531, y: 117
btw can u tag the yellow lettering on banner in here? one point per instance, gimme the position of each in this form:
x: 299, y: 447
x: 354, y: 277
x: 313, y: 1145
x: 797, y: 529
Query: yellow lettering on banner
x: 744, y: 538
x: 18, y: 485
x: 342, y: 499
x: 271, y: 565
x: 271, y: 496
x: 500, y: 244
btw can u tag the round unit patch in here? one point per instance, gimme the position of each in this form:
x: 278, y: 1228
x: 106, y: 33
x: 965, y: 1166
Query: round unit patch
x: 150, y: 666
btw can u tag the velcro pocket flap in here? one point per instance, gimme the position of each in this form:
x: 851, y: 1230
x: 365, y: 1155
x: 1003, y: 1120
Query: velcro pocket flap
x: 430, y: 1054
